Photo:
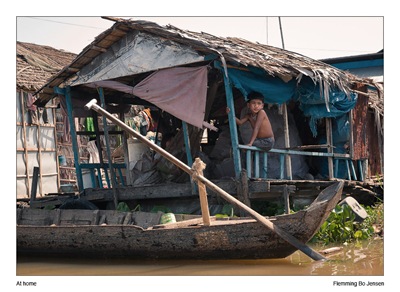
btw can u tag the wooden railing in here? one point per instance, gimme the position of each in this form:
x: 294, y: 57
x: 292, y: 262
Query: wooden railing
x: 96, y: 171
x: 257, y: 168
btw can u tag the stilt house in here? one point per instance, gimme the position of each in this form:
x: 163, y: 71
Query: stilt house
x: 37, y: 127
x: 185, y: 81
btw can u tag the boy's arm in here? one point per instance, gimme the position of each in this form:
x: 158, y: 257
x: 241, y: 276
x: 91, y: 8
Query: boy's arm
x: 242, y: 120
x: 239, y: 121
x: 257, y: 125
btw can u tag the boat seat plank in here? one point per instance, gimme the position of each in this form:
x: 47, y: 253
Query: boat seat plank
x: 186, y: 223
x: 102, y: 219
x: 112, y: 217
x: 146, y: 220
x: 95, y: 217
x: 128, y: 219
x: 57, y: 217
x: 75, y: 217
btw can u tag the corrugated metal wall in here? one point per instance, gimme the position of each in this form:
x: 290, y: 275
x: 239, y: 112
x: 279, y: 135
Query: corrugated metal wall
x: 360, y: 126
x: 367, y: 139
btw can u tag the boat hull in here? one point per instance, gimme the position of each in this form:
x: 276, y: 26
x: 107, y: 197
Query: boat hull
x: 242, y: 238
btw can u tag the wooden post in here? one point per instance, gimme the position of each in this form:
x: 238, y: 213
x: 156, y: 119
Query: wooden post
x: 288, y: 160
x: 365, y: 169
x: 198, y: 167
x: 329, y: 141
x: 74, y: 138
x: 186, y: 141
x: 232, y: 126
x: 244, y: 181
x: 34, y: 184
x: 242, y: 187
x: 112, y: 171
x: 102, y: 170
x: 286, y: 199
x: 54, y: 113
x: 351, y: 142
x: 22, y: 105
x: 128, y: 174
x: 39, y: 148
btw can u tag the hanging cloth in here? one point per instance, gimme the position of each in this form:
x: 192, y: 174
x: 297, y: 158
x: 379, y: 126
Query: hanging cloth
x: 180, y: 91
x: 89, y: 126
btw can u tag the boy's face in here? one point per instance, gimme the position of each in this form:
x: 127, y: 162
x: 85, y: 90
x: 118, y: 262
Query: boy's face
x: 255, y: 105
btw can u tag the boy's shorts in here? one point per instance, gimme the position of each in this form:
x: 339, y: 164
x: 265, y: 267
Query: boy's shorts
x: 265, y: 144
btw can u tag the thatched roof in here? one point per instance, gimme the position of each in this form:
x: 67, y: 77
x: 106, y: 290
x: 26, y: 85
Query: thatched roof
x: 36, y: 64
x: 234, y: 51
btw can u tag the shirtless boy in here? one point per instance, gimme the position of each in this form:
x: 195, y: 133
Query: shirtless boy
x: 262, y: 136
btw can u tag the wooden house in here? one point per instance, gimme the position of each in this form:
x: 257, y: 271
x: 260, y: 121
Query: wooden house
x: 186, y: 80
x: 37, y: 145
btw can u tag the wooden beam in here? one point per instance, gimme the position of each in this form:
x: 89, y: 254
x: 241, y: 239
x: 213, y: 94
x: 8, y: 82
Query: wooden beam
x: 198, y: 166
x: 288, y: 163
x: 185, y: 223
x: 329, y: 140
x: 39, y: 150
x: 22, y: 105
x: 99, y: 49
x: 286, y: 199
x: 34, y: 184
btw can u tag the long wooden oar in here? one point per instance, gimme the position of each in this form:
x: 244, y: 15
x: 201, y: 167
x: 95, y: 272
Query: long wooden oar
x: 264, y: 221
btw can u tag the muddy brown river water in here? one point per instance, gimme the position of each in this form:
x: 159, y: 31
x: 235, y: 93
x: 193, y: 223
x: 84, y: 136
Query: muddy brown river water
x: 355, y: 265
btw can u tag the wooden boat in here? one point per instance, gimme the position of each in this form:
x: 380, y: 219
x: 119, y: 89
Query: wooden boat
x: 138, y: 235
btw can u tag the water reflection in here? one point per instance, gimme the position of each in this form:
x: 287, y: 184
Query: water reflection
x: 360, y: 259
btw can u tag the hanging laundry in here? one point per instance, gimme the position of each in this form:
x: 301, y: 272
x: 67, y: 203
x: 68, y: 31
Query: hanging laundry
x: 89, y: 126
x: 31, y: 109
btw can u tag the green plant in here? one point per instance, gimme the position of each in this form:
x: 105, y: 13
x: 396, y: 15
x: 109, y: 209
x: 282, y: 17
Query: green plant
x: 379, y: 180
x: 123, y: 207
x: 49, y: 207
x: 374, y: 222
x: 268, y: 208
x: 137, y: 208
x: 227, y: 211
x: 338, y: 226
x: 342, y: 227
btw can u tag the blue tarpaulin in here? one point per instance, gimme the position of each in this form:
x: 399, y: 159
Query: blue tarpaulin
x: 306, y: 93
x: 314, y: 106
x: 273, y: 89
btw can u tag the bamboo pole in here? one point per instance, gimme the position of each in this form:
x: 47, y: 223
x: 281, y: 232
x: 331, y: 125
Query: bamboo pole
x: 39, y: 149
x: 261, y: 219
x: 22, y: 105
x: 54, y: 113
